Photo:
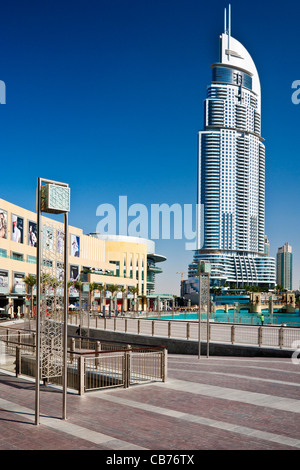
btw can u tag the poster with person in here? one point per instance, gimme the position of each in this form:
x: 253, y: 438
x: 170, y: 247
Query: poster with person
x: 3, y: 224
x: 32, y: 233
x: 17, y: 229
x: 60, y: 237
x: 4, y: 282
x: 19, y: 283
x: 74, y: 276
x: 75, y: 246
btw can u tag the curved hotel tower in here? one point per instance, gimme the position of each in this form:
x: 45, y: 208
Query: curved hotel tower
x: 231, y: 174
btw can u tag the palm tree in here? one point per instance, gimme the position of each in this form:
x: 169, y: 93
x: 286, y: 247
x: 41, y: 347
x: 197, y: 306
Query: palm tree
x: 30, y: 281
x: 78, y: 286
x: 92, y: 287
x: 70, y: 284
x: 113, y: 288
x: 134, y: 290
x: 101, y: 289
x: 123, y: 290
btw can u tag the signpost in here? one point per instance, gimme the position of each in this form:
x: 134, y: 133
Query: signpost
x: 51, y: 291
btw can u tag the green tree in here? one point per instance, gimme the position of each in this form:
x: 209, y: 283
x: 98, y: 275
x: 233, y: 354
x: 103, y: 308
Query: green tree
x: 123, y: 290
x: 92, y: 288
x: 30, y: 281
x: 113, y: 289
x: 134, y: 290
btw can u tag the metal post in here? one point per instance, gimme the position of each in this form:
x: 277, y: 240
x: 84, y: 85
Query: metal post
x: 199, y: 322
x: 65, y: 332
x: 207, y: 321
x: 38, y: 282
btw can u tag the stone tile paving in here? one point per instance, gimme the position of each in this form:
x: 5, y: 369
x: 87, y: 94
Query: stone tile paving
x: 178, y: 414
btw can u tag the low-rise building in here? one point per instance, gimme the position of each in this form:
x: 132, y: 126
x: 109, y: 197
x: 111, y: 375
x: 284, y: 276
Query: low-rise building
x: 93, y: 258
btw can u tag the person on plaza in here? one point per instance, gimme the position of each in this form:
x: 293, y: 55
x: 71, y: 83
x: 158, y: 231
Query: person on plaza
x: 262, y: 318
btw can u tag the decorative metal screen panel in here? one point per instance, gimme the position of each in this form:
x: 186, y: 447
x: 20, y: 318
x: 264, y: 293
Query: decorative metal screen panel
x: 55, y: 199
x: 52, y: 302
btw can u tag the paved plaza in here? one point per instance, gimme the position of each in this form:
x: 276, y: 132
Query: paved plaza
x: 216, y: 403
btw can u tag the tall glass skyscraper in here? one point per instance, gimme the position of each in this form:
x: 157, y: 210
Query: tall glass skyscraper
x: 231, y: 173
x: 285, y: 266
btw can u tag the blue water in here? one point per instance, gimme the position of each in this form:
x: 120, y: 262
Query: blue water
x: 278, y: 318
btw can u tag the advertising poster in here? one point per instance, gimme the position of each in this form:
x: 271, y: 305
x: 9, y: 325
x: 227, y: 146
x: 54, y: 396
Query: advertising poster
x: 74, y: 276
x: 19, y: 284
x: 3, y: 224
x: 17, y: 232
x: 75, y: 246
x: 60, y: 241
x: 4, y: 282
x: 60, y: 271
x: 32, y: 233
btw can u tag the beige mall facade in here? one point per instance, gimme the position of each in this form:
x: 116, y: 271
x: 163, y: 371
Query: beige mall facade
x: 105, y: 260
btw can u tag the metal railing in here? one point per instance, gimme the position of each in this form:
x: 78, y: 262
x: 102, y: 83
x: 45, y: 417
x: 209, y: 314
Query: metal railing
x: 269, y: 335
x: 91, y: 364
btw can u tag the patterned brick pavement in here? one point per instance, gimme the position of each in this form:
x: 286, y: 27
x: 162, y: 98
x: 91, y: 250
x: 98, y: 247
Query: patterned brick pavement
x: 208, y: 404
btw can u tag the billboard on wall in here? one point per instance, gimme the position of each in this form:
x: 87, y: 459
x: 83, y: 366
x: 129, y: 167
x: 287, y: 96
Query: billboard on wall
x: 75, y: 245
x: 17, y: 232
x: 60, y: 237
x: 74, y: 276
x: 32, y: 233
x: 19, y: 284
x: 60, y: 273
x: 3, y: 224
x: 4, y: 282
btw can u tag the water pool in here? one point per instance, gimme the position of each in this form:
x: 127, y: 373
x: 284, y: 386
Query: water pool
x: 277, y: 318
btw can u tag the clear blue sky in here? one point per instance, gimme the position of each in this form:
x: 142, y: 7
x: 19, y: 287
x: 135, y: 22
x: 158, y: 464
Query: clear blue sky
x: 107, y: 95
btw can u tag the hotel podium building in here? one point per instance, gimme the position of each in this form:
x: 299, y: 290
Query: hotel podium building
x: 125, y: 261
x: 231, y: 174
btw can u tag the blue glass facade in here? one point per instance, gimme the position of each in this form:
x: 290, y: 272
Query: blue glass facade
x: 231, y: 76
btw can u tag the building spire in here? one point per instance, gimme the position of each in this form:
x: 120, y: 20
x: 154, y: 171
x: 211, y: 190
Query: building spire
x: 227, y: 28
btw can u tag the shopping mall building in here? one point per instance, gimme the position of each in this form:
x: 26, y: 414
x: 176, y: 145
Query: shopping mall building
x: 93, y: 258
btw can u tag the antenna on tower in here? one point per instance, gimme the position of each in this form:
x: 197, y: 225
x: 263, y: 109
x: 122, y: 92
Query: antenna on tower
x: 229, y: 25
x: 225, y: 25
